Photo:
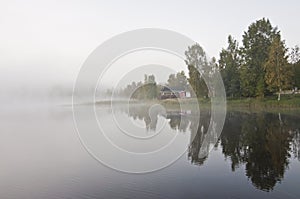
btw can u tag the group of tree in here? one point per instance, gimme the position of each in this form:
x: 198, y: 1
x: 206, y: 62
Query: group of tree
x: 141, y: 90
x: 149, y: 89
x: 201, y: 71
x: 261, y: 66
x: 178, y: 81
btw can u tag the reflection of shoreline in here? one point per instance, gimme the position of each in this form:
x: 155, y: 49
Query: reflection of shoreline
x: 262, y: 142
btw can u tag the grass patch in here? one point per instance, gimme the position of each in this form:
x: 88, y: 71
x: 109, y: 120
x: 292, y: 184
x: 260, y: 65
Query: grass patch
x: 270, y: 102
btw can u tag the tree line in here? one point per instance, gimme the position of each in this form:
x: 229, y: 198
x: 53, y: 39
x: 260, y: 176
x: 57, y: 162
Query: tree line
x: 150, y: 89
x: 261, y: 66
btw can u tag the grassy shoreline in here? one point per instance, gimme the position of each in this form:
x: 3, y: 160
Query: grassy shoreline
x: 287, y: 103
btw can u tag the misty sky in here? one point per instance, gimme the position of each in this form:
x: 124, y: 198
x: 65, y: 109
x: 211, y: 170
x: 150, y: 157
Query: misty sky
x: 45, y: 42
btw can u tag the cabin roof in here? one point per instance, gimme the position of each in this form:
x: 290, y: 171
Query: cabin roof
x: 165, y: 88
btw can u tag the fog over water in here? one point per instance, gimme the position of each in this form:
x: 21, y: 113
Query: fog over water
x: 44, y: 44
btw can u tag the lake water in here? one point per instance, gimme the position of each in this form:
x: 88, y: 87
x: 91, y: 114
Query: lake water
x: 256, y: 156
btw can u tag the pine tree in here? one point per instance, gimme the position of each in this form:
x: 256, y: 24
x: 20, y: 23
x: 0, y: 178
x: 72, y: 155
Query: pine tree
x: 229, y: 64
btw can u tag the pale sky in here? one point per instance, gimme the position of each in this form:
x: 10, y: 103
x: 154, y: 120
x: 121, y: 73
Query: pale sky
x: 46, y: 42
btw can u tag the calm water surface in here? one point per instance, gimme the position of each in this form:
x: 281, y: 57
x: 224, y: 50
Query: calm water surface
x: 256, y: 156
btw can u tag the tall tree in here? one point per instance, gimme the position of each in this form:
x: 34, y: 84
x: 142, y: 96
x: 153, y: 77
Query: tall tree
x: 178, y: 81
x: 294, y: 59
x: 212, y: 80
x: 278, y: 73
x: 150, y: 87
x: 194, y: 81
x: 256, y: 46
x: 296, y: 69
x: 142, y: 90
x: 199, y: 69
x: 229, y: 64
x: 294, y: 55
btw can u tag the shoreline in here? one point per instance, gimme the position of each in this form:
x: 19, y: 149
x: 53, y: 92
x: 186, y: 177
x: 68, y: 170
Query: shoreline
x: 269, y: 104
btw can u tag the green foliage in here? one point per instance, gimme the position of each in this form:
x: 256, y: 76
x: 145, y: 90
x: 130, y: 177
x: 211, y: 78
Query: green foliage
x: 229, y: 65
x: 178, y: 81
x: 258, y: 68
x: 295, y: 64
x: 278, y: 75
x: 296, y: 68
x: 196, y: 57
x: 260, y: 87
x: 255, y: 51
x: 198, y: 66
x: 294, y: 55
x: 194, y: 80
x: 146, y: 90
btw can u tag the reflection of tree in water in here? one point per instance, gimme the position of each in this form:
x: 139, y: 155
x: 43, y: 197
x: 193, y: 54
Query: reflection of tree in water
x: 296, y: 143
x: 267, y: 153
x: 262, y: 143
x: 142, y: 113
x: 232, y: 139
x: 198, y: 132
x: 179, y: 120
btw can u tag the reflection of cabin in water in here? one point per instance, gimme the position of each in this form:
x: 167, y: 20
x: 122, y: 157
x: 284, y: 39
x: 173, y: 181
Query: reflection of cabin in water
x: 168, y: 93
